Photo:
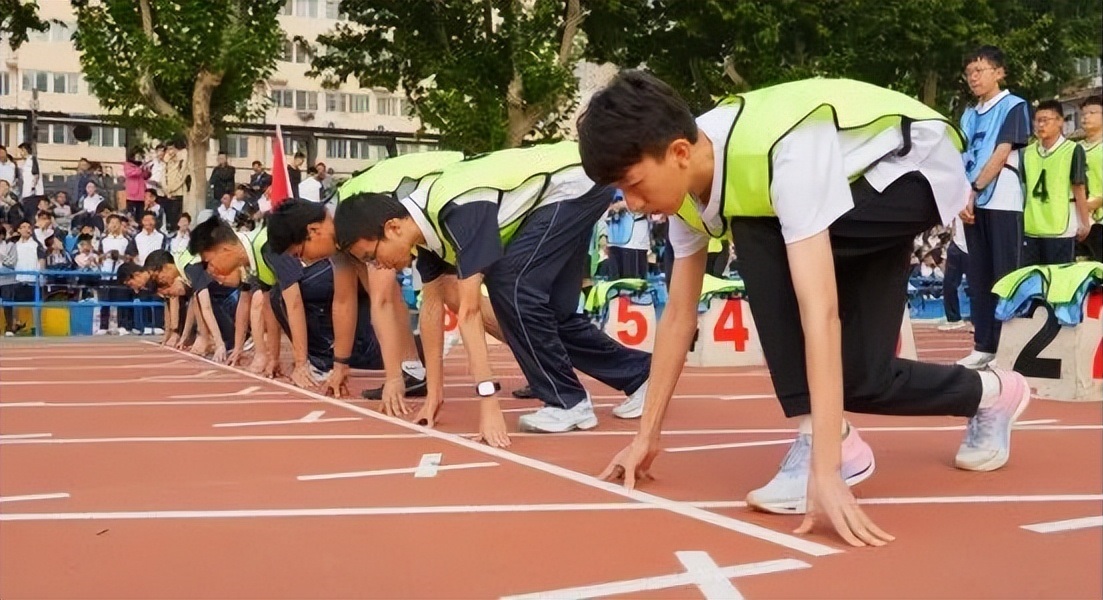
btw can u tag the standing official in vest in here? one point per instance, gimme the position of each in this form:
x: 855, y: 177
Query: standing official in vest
x: 1091, y: 120
x: 521, y: 220
x: 824, y: 185
x: 1056, y: 212
x: 997, y: 126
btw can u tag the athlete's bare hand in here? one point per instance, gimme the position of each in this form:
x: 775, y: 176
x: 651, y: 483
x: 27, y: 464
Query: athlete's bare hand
x: 492, y: 425
x: 967, y: 214
x: 427, y: 414
x: 336, y: 384
x: 302, y: 377
x: 234, y: 358
x: 633, y: 463
x: 219, y: 353
x: 394, y: 397
x: 271, y: 369
x: 831, y: 501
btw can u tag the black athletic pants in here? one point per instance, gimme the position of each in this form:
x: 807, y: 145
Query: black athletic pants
x: 534, y: 290
x: 871, y: 245
x: 995, y: 243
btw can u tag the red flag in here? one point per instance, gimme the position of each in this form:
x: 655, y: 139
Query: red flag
x: 281, y: 180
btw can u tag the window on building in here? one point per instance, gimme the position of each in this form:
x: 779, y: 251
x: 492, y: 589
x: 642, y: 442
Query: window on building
x: 335, y: 102
x: 305, y: 100
x: 387, y: 105
x: 292, y: 145
x: 302, y: 53
x: 306, y: 8
x: 60, y: 134
x: 287, y: 7
x: 287, y: 52
x: 5, y: 84
x: 236, y: 146
x: 333, y: 10
x: 59, y: 32
x: 283, y: 98
x: 359, y: 103
x: 336, y: 148
x: 36, y: 80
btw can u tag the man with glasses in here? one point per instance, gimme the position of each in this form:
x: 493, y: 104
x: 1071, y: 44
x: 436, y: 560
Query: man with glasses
x: 1091, y: 120
x: 1056, y: 211
x: 994, y: 128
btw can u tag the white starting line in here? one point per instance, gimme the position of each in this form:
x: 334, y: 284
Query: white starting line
x: 312, y: 417
x: 33, y: 497
x: 253, y: 390
x: 1068, y: 525
x: 701, y: 571
x: 428, y: 466
x: 25, y: 436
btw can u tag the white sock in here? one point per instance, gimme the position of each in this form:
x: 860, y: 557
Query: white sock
x: 805, y: 426
x: 414, y: 368
x: 990, y: 388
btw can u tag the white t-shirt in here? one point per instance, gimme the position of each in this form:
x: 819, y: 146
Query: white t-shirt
x: 26, y: 173
x: 89, y: 203
x: 147, y: 243
x: 1008, y: 194
x: 7, y: 171
x: 959, y: 236
x: 811, y: 166
x: 310, y: 189
x: 227, y: 213
x: 28, y: 253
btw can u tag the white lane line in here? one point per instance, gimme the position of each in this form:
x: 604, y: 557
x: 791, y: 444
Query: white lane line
x: 726, y: 446
x: 24, y: 436
x: 713, y: 576
x: 149, y: 403
x: 1067, y: 525
x: 176, y: 364
x: 17, y: 441
x: 932, y: 500
x: 312, y: 417
x: 535, y: 408
x: 707, y: 576
x: 33, y: 497
x: 378, y: 472
x: 792, y: 542
x: 253, y: 390
x: 209, y: 376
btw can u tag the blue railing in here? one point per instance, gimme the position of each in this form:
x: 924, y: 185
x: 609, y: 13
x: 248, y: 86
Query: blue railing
x: 71, y: 280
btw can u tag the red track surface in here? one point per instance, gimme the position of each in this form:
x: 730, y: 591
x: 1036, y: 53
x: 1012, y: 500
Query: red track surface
x: 153, y: 500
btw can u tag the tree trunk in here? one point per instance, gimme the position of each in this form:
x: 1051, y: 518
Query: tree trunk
x: 928, y: 93
x: 195, y: 199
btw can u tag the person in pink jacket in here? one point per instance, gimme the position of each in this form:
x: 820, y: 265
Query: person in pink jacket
x: 136, y: 175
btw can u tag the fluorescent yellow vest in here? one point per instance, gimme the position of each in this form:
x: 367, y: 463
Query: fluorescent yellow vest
x: 767, y: 115
x: 1094, y: 156
x: 387, y: 175
x: 501, y: 171
x: 1046, y: 211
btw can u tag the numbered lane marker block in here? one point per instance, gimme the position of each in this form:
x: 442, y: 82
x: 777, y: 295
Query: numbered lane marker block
x: 631, y: 324
x: 1060, y: 363
x: 905, y: 344
x: 726, y: 336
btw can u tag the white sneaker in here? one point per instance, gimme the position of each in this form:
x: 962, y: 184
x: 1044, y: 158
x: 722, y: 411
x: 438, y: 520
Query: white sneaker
x: 319, y: 375
x: 450, y: 340
x: 148, y: 331
x: 248, y: 345
x: 632, y: 407
x: 951, y: 325
x: 158, y: 331
x: 978, y: 360
x: 786, y: 494
x: 552, y: 419
x: 123, y: 331
x: 100, y: 332
x: 9, y: 334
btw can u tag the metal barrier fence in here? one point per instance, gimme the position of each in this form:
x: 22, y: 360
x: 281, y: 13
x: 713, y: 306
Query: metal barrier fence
x: 64, y: 280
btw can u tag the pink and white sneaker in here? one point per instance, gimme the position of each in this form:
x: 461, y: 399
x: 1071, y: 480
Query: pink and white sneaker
x: 987, y: 443
x: 786, y: 493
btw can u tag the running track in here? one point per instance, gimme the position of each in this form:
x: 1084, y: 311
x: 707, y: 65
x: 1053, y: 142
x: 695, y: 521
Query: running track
x: 132, y: 471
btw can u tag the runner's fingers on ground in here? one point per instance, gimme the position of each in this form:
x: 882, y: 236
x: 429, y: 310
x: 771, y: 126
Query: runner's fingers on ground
x: 302, y: 377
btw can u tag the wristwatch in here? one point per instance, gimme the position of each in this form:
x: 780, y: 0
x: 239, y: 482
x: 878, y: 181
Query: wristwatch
x: 974, y: 186
x: 341, y: 360
x: 485, y: 389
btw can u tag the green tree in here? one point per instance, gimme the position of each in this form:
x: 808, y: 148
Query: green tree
x: 179, y: 67
x: 17, y: 19
x: 711, y: 48
x: 485, y: 73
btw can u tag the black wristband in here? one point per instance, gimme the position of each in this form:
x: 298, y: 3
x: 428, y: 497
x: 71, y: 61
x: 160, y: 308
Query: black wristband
x: 342, y: 360
x: 975, y: 188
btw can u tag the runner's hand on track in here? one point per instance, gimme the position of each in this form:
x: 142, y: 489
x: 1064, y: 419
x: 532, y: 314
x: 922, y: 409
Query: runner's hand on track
x: 394, y: 397
x: 219, y: 354
x: 337, y: 382
x: 831, y: 501
x: 272, y: 369
x: 303, y: 378
x: 173, y: 341
x: 633, y: 463
x: 427, y: 414
x: 492, y: 425
x: 234, y: 357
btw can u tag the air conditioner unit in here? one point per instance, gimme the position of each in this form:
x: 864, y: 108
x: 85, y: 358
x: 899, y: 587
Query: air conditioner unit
x: 305, y: 115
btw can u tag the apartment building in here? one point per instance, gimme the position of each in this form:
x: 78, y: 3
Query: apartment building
x: 347, y: 128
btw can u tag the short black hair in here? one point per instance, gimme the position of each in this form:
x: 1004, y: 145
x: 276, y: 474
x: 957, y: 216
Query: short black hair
x: 157, y: 260
x: 362, y: 217
x: 84, y: 237
x: 1052, y: 105
x: 257, y: 162
x: 102, y: 206
x: 25, y: 146
x: 992, y: 54
x: 185, y: 215
x: 210, y: 234
x: 126, y: 272
x: 636, y: 115
x: 287, y: 224
x: 1092, y: 101
x: 151, y: 191
x: 43, y: 213
x: 113, y: 216
x: 149, y: 213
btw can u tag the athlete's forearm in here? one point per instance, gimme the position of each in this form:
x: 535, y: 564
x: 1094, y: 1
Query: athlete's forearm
x: 471, y: 327
x: 432, y: 337
x: 296, y: 321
